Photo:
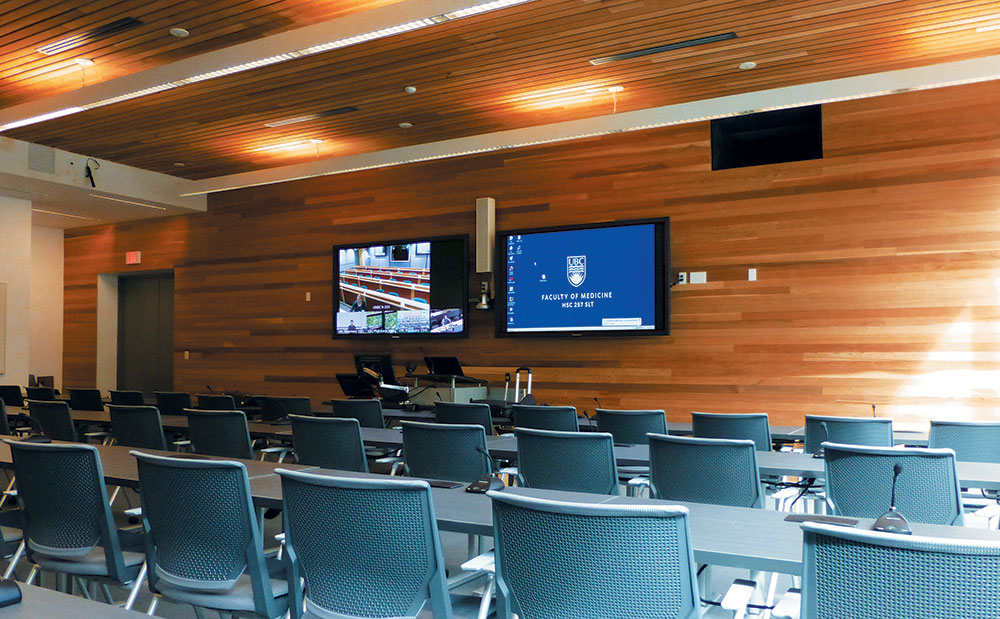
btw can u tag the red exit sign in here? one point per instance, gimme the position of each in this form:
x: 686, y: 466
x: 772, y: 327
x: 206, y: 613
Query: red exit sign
x: 133, y: 257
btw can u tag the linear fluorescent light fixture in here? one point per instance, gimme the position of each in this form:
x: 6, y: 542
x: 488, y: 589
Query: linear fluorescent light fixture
x: 160, y: 208
x: 263, y: 62
x: 715, y: 38
x: 308, y: 117
x: 100, y: 32
x: 41, y: 210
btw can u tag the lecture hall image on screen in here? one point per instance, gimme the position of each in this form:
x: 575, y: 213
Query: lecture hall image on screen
x: 387, y: 289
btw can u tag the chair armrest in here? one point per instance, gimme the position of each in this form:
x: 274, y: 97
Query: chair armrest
x: 789, y: 606
x: 738, y: 596
x: 482, y: 563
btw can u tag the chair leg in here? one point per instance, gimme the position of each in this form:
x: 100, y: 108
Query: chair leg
x: 114, y: 495
x: 13, y: 561
x: 484, y: 604
x: 107, y: 594
x: 6, y: 492
x: 136, y: 586
x: 153, y: 603
x: 31, y: 575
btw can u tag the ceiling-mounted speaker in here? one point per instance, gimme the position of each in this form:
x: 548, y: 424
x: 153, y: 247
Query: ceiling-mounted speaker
x: 486, y: 224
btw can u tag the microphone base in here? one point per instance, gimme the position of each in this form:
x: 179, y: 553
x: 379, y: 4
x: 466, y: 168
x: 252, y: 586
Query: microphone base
x: 892, y: 522
x: 482, y: 486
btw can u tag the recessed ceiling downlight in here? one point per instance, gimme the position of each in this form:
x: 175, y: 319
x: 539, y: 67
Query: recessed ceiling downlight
x: 180, y: 33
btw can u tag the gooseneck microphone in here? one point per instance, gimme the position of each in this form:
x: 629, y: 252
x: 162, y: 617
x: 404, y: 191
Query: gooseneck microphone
x: 493, y: 482
x: 892, y: 521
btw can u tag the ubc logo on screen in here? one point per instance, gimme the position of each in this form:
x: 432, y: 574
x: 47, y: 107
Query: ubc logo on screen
x: 576, y: 270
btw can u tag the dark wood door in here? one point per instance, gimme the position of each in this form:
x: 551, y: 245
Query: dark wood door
x: 146, y: 332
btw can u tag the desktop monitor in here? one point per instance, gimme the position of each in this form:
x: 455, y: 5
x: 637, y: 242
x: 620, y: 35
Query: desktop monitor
x: 380, y: 364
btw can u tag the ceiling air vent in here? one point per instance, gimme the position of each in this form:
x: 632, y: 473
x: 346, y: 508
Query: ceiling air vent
x: 663, y: 48
x: 100, y: 32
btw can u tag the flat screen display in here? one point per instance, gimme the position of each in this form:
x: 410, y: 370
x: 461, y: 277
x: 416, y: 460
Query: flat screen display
x: 401, y: 288
x: 585, y: 280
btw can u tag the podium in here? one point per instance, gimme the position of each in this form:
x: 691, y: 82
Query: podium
x: 432, y: 388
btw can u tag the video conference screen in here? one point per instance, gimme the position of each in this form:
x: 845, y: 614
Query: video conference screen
x: 594, y: 280
x: 401, y: 288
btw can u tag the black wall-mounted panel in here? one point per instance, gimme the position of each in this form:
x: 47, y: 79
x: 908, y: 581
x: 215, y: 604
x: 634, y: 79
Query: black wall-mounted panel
x: 780, y: 136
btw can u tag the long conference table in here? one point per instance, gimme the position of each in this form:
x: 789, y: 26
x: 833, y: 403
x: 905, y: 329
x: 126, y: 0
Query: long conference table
x: 729, y: 536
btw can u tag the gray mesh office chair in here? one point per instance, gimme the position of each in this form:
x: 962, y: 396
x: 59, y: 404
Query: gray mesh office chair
x: 137, y: 426
x: 68, y: 526
x: 637, y: 560
x: 329, y: 443
x: 365, y: 547
x: 54, y: 419
x: 86, y: 400
x: 203, y: 540
x: 456, y: 452
x: 456, y: 412
x: 367, y: 412
x: 279, y: 408
x: 560, y: 418
x: 859, y: 482
x: 630, y: 427
x: 220, y: 433
x: 42, y: 394
x: 11, y: 395
x: 215, y: 402
x: 705, y: 470
x: 4, y: 421
x: 740, y: 426
x: 972, y: 441
x: 128, y: 398
x: 172, y: 402
x: 847, y: 431
x: 574, y: 461
x: 856, y: 573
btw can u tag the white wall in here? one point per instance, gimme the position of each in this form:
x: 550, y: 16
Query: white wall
x: 15, y: 271
x: 45, y: 358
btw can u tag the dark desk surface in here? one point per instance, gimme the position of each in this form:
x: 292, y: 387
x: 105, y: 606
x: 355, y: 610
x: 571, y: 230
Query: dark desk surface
x: 38, y: 602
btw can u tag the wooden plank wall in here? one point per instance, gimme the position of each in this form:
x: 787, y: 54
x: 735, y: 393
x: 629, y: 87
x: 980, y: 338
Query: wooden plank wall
x: 878, y: 268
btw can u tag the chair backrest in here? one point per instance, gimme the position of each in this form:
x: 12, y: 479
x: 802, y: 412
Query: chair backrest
x: 705, y: 470
x: 329, y: 443
x: 11, y: 395
x: 452, y: 451
x: 367, y: 412
x: 851, y: 572
x: 456, y: 412
x: 86, y: 400
x: 42, y: 394
x: 972, y: 441
x: 128, y: 398
x: 64, y: 502
x: 137, y: 426
x: 336, y: 532
x: 201, y: 529
x: 54, y: 419
x: 275, y: 408
x: 574, y: 461
x: 847, y: 431
x: 216, y: 402
x: 561, y: 418
x: 220, y: 433
x: 172, y: 402
x: 740, y: 426
x: 4, y: 421
x: 631, y: 426
x: 637, y: 559
x: 859, y: 482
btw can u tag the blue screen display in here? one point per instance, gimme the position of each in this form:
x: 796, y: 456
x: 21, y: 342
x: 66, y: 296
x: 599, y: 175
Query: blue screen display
x: 597, y: 279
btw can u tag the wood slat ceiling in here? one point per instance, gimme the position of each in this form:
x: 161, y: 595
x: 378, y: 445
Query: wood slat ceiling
x: 491, y: 72
x: 28, y: 74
